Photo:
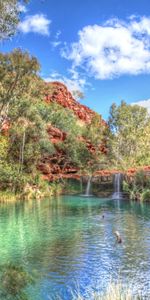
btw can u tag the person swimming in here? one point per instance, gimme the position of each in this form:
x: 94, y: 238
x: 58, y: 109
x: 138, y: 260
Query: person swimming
x: 118, y: 237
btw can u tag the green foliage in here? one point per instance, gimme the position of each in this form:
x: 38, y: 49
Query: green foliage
x: 18, y: 78
x: 22, y: 108
x: 11, y: 179
x: 138, y: 187
x: 75, y: 151
x: 46, y: 147
x: 140, y: 179
x: 21, y: 92
x: 95, y: 134
x: 125, y: 186
x: 78, y: 94
x: 39, y: 188
x: 94, y: 131
x: 72, y: 186
x: 7, y: 197
x: 145, y: 195
x: 60, y: 117
x: 74, y: 147
x: 6, y: 175
x: 9, y: 17
x: 3, y: 148
x: 129, y: 136
x: 55, y: 188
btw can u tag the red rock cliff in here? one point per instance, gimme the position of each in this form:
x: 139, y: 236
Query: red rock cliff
x: 62, y: 96
x: 55, y: 166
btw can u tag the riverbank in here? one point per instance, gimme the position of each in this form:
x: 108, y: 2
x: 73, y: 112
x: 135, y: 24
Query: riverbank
x: 136, y: 188
x: 8, y: 197
x: 30, y: 192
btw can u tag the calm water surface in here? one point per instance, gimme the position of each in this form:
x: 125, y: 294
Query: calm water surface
x: 66, y: 244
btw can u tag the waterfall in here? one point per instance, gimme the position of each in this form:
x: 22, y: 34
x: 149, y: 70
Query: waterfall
x: 117, y: 187
x: 88, y: 187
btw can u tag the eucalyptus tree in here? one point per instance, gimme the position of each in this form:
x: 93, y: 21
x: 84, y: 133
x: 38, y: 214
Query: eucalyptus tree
x: 9, y: 17
x: 21, y: 95
x: 129, y: 136
x: 78, y: 95
x: 94, y: 134
x: 18, y: 78
x: 77, y: 137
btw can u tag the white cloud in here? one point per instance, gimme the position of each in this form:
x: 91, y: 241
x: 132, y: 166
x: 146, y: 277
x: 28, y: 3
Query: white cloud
x: 73, y: 83
x: 112, y: 49
x: 38, y: 23
x: 56, y: 41
x: 22, y: 8
x: 58, y: 33
x: 143, y: 103
x: 55, y: 44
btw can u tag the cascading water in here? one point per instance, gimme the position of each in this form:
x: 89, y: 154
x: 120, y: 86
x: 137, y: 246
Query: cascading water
x: 88, y: 187
x: 117, y: 187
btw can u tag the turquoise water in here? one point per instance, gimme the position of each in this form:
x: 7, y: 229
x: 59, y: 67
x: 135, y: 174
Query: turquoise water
x: 65, y: 243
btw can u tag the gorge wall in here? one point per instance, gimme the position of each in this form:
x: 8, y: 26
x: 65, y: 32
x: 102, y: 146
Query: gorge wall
x: 55, y: 166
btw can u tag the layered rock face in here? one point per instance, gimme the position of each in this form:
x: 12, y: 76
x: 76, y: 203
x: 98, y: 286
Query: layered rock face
x: 62, y: 96
x: 56, y: 166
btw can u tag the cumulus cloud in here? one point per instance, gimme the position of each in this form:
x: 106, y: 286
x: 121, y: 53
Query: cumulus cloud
x: 112, y: 49
x: 73, y: 82
x: 38, y: 23
x: 143, y: 103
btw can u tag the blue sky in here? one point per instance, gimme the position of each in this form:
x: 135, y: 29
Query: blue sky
x: 101, y: 47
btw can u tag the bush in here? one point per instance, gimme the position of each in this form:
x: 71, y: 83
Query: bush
x: 7, y: 197
x: 140, y: 178
x: 145, y: 195
x: 126, y: 187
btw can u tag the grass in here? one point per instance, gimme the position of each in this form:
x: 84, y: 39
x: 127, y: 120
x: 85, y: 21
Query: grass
x: 114, y: 291
x: 30, y: 192
x: 7, y: 197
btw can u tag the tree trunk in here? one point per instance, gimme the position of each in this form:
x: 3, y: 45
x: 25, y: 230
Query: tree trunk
x: 21, y: 159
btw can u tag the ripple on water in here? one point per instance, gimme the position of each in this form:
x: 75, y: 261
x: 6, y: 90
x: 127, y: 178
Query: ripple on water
x: 68, y: 243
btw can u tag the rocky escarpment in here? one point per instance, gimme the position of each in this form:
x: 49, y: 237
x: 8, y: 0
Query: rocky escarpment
x: 62, y: 96
x: 57, y: 166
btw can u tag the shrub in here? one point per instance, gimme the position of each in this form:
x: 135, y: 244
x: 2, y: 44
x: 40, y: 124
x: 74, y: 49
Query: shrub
x: 145, y: 195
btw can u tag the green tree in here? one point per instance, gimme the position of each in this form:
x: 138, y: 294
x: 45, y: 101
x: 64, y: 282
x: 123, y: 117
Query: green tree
x: 129, y: 136
x: 28, y: 118
x: 78, y: 95
x: 18, y: 79
x: 9, y: 17
x: 21, y: 94
x: 94, y: 134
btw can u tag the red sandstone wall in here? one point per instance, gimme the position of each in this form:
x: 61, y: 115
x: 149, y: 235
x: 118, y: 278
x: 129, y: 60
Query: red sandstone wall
x: 55, y: 166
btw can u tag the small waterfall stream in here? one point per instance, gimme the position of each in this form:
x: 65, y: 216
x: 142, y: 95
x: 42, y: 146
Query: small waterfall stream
x: 88, y: 187
x: 117, y: 187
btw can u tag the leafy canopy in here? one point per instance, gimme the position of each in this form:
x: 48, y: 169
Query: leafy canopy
x: 9, y: 17
x: 129, y: 136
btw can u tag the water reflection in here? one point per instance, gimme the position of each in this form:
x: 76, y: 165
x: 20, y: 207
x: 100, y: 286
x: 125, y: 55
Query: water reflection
x: 67, y: 242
